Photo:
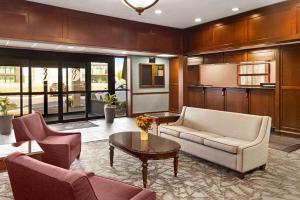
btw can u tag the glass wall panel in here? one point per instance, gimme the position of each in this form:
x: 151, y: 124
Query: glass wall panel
x: 10, y: 78
x: 25, y: 79
x: 99, y: 76
x: 74, y: 106
x: 121, y: 86
x: 16, y: 100
x: 38, y: 103
x: 96, y: 104
x: 25, y: 104
x: 44, y: 79
x: 75, y: 78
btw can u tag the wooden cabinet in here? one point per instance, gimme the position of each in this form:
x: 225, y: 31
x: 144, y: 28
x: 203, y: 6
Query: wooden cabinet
x: 14, y: 20
x: 262, y: 102
x: 235, y: 57
x: 269, y: 25
x: 237, y: 100
x: 174, y: 85
x: 266, y: 26
x: 196, y: 97
x: 46, y: 24
x: 261, y: 55
x: 213, y: 58
x: 215, y: 98
x: 198, y: 38
x: 229, y: 34
x: 38, y: 22
x: 193, y: 74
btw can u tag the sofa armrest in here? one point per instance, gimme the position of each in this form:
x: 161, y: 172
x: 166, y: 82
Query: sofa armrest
x: 255, y: 154
x: 180, y: 120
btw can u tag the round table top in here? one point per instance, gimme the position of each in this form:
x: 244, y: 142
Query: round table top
x: 131, y: 142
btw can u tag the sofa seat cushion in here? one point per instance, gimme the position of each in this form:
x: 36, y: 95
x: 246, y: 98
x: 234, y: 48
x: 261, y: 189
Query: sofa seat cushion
x: 198, y: 136
x: 72, y: 140
x: 110, y: 189
x: 227, y: 144
x: 175, y: 130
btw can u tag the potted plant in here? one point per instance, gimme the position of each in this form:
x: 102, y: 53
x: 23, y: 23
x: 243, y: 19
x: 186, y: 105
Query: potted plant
x: 111, y: 102
x: 5, y: 118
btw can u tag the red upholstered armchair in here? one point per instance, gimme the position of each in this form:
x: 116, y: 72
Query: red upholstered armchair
x: 34, y: 180
x: 60, y: 149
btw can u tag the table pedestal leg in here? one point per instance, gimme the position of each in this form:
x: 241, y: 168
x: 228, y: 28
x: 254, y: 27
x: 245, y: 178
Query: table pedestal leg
x: 175, y: 165
x: 145, y: 172
x: 111, y: 155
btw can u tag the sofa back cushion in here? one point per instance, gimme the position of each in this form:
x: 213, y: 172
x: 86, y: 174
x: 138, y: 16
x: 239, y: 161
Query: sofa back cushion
x: 236, y: 125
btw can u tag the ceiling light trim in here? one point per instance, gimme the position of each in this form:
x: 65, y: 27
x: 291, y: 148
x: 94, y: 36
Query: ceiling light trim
x: 140, y: 10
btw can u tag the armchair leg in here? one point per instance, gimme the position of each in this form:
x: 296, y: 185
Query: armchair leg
x: 263, y: 167
x: 241, y: 175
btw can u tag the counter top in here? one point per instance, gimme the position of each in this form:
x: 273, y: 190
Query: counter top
x: 232, y: 87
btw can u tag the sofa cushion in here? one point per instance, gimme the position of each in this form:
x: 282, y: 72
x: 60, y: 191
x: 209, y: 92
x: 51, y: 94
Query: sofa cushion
x: 227, y: 144
x: 228, y: 124
x: 73, y: 140
x: 198, y: 136
x: 175, y: 130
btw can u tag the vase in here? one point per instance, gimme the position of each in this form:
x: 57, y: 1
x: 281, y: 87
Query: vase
x: 144, y: 135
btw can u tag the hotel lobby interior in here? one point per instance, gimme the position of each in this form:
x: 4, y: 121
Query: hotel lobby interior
x: 149, y: 99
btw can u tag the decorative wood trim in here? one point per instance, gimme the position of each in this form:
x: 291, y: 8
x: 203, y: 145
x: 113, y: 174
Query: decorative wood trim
x: 138, y: 114
x: 149, y: 93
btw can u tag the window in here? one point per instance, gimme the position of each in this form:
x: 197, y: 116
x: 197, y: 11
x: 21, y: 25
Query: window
x: 253, y: 74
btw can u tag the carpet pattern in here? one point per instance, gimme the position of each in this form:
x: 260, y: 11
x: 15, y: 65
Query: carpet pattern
x: 73, y: 125
x: 197, y: 179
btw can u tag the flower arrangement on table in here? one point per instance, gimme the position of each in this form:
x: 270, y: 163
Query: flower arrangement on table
x: 144, y: 122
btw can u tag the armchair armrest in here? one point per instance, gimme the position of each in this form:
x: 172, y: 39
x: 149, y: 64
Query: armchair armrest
x: 56, y: 154
x: 51, y: 132
x: 145, y: 194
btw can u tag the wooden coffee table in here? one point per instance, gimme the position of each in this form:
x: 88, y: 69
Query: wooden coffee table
x: 156, y: 148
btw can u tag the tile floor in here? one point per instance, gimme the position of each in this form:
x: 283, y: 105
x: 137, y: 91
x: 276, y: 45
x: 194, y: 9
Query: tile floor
x: 101, y: 132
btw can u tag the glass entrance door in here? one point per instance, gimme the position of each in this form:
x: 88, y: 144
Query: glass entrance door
x: 74, y: 92
x: 44, y: 91
x: 60, y: 90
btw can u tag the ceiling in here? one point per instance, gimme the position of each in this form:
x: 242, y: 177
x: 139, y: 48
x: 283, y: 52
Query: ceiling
x: 175, y: 13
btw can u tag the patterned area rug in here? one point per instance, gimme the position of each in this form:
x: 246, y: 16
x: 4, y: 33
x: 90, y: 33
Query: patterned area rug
x: 197, y: 179
x: 73, y: 125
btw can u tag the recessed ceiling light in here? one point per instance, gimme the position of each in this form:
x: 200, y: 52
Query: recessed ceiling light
x: 124, y: 52
x: 198, y: 20
x: 70, y: 47
x: 158, y: 12
x: 166, y: 55
x: 235, y: 9
x: 33, y: 45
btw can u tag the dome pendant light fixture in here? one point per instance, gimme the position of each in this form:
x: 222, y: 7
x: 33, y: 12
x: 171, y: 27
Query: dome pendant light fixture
x: 140, y: 5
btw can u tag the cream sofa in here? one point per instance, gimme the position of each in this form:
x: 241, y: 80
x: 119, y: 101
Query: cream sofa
x: 237, y: 141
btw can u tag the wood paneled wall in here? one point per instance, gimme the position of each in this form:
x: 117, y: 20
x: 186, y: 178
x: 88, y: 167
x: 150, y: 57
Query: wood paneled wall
x: 37, y: 22
x: 174, y: 85
x: 290, y: 88
x: 273, y: 24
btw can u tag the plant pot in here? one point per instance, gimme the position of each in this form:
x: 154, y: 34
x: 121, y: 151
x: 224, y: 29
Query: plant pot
x: 5, y: 124
x: 110, y: 113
